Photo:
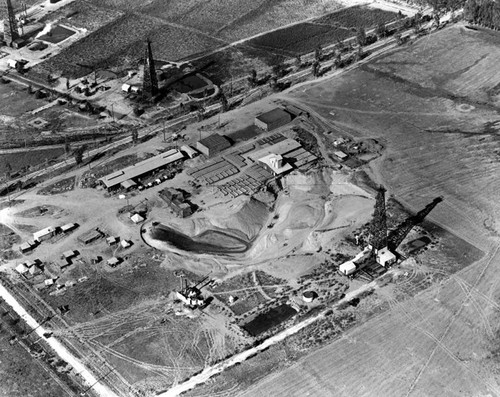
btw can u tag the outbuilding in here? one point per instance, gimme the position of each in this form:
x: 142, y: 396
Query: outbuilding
x: 69, y: 254
x: 68, y: 227
x: 340, y: 155
x: 126, y: 88
x: 125, y: 244
x: 44, y: 234
x: 189, y: 151
x: 136, y: 218
x: 113, y: 262
x: 385, y: 257
x: 22, y: 268
x: 273, y: 119
x: 347, y: 268
x: 212, y: 145
x: 27, y: 246
x: 112, y: 240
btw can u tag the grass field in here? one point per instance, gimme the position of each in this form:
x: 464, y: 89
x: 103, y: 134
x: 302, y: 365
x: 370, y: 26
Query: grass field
x: 24, y: 160
x: 21, y: 375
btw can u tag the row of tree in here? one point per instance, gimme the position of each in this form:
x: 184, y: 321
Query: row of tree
x: 483, y: 12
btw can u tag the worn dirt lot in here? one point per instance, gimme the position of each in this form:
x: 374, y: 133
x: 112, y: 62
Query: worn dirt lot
x: 441, y: 141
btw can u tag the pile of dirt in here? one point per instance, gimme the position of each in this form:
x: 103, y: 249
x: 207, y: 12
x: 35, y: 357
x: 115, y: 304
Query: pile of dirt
x: 246, y: 215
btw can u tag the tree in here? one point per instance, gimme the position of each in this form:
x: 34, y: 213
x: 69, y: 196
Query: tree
x: 318, y: 53
x: 135, y: 135
x: 338, y: 60
x: 78, y: 153
x: 224, y: 104
x: 381, y: 30
x: 252, y: 79
x: 298, y: 61
x: 361, y: 36
x: 8, y: 170
x: 315, y: 68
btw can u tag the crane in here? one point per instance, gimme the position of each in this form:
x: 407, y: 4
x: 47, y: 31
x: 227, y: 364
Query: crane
x: 397, y: 235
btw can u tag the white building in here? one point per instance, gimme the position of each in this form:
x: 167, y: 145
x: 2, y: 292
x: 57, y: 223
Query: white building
x: 44, y: 234
x: 385, y: 257
x: 275, y: 163
x: 347, y: 268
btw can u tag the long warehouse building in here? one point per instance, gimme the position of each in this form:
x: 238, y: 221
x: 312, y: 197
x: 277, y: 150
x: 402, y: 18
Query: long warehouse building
x: 126, y: 176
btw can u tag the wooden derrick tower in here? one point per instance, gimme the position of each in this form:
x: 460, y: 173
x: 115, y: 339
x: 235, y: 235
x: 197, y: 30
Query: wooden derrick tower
x: 378, y: 227
x: 9, y: 23
x: 150, y: 81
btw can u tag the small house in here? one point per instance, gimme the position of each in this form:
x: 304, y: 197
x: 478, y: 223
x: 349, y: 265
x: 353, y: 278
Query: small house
x: 69, y: 254
x: 12, y: 63
x: 135, y: 89
x: 126, y: 88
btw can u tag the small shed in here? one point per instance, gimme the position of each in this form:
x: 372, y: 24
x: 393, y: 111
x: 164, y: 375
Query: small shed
x: 68, y: 227
x: 69, y: 254
x: 27, y: 246
x: 136, y: 218
x: 128, y: 184
x: 340, y: 155
x: 385, y: 257
x: 135, y: 89
x: 189, y: 151
x: 125, y: 243
x: 44, y: 234
x: 12, y: 63
x: 49, y: 281
x: 112, y: 240
x: 113, y: 262
x: 126, y: 88
x: 347, y: 268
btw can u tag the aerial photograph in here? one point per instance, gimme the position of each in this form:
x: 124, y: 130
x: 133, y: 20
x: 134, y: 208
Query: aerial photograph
x: 264, y: 198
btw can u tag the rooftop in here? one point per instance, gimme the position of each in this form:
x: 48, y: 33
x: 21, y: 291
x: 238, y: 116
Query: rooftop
x: 275, y: 162
x: 273, y: 115
x: 215, y: 141
x: 141, y: 168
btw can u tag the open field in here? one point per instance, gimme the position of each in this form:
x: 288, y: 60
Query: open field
x: 305, y: 37
x: 21, y: 374
x: 24, y: 160
x: 440, y: 141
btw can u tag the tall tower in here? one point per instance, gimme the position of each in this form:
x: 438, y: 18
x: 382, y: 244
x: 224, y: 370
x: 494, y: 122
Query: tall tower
x: 150, y: 81
x: 10, y: 32
x: 378, y: 227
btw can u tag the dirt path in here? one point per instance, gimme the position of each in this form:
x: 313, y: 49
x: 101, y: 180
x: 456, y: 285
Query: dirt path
x: 259, y: 287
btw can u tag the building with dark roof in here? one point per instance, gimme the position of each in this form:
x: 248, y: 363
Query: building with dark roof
x: 212, y: 145
x: 176, y: 201
x: 273, y: 119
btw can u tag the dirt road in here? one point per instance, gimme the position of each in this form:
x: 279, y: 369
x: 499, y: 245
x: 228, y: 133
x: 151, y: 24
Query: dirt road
x: 58, y: 347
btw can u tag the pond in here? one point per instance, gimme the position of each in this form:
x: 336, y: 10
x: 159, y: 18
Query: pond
x: 207, y: 242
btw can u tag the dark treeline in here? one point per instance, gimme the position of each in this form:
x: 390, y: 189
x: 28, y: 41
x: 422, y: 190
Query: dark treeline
x: 483, y: 12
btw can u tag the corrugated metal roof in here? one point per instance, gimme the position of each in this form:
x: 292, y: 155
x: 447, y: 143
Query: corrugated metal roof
x: 141, y: 168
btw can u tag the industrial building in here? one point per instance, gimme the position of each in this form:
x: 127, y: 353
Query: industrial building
x: 273, y: 119
x: 189, y: 151
x: 212, y: 145
x: 27, y: 246
x: 275, y: 164
x: 125, y: 177
x: 176, y: 201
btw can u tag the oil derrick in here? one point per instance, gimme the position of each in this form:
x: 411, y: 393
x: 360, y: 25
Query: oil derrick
x: 378, y: 227
x: 150, y: 81
x: 397, y: 236
x: 10, y: 32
